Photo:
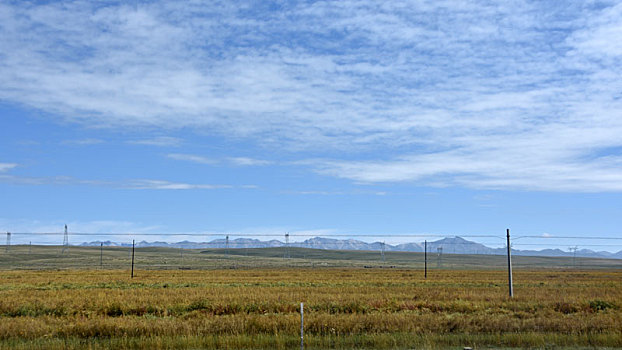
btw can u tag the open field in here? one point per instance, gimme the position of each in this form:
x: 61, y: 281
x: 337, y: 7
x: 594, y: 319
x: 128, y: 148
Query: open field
x: 345, y: 308
x: 50, y: 257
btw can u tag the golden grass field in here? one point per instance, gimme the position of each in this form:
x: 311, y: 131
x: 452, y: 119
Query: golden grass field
x: 344, y: 308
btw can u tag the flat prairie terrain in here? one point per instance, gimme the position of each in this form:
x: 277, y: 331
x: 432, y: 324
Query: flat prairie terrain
x: 42, y: 257
x: 348, y: 307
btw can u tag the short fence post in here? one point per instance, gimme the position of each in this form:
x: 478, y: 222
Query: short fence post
x: 302, y: 322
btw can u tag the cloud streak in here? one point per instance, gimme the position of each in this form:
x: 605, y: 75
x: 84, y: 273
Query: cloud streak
x: 7, y: 166
x: 83, y: 142
x: 192, y: 158
x: 516, y: 95
x: 134, y: 184
x: 235, y: 161
x: 161, y: 141
x: 167, y: 185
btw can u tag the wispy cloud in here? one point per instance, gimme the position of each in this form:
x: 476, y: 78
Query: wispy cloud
x: 484, y: 169
x: 83, y: 142
x: 514, y: 95
x: 161, y: 141
x: 7, y: 166
x: 167, y: 185
x: 133, y: 184
x: 192, y: 158
x: 245, y: 161
x: 237, y: 161
x: 336, y: 193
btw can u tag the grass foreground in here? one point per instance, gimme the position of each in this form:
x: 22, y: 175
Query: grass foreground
x: 344, y: 308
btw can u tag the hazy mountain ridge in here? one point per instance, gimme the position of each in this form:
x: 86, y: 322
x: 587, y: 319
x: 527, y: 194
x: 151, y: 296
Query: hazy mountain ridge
x: 449, y: 245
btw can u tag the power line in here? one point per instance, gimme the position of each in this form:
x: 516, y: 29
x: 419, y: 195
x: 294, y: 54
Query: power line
x: 251, y: 234
x: 559, y: 244
x: 570, y: 237
x: 309, y: 235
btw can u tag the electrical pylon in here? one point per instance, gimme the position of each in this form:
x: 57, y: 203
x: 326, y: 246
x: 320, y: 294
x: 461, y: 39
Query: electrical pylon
x: 65, y: 241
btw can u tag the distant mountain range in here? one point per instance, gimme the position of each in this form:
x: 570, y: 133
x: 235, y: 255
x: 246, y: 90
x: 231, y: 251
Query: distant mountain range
x: 450, y: 245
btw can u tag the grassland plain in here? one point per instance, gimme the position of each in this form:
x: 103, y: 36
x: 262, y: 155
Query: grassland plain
x: 160, y: 258
x: 348, y: 307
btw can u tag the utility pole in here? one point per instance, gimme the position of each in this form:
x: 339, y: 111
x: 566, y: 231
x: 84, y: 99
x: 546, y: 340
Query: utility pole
x: 101, y: 255
x: 8, y: 242
x: 29, y: 247
x: 65, y: 242
x: 511, y: 287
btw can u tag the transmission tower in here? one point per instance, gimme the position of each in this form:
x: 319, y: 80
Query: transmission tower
x: 574, y: 254
x: 439, y: 256
x: 227, y: 246
x: 287, y: 255
x: 65, y: 242
x: 8, y: 241
x: 382, y: 251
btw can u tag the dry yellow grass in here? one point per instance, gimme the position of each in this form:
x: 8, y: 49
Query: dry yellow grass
x: 344, y: 308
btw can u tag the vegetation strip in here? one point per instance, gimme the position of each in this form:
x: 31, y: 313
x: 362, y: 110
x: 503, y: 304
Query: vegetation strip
x: 343, y: 308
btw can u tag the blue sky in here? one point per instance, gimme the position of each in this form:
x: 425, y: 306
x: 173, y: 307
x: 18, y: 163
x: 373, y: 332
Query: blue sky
x: 321, y: 118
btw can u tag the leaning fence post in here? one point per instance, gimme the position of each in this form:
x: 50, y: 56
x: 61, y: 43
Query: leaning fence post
x: 510, y: 266
x: 302, y: 322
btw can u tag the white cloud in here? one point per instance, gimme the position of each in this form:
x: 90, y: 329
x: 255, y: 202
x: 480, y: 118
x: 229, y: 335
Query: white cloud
x: 192, y: 158
x: 600, y: 38
x: 161, y: 141
x: 484, y: 169
x: 237, y: 161
x: 83, y: 142
x: 166, y: 185
x: 7, y: 166
x: 513, y: 95
x: 336, y: 193
x: 245, y: 161
x: 135, y: 184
